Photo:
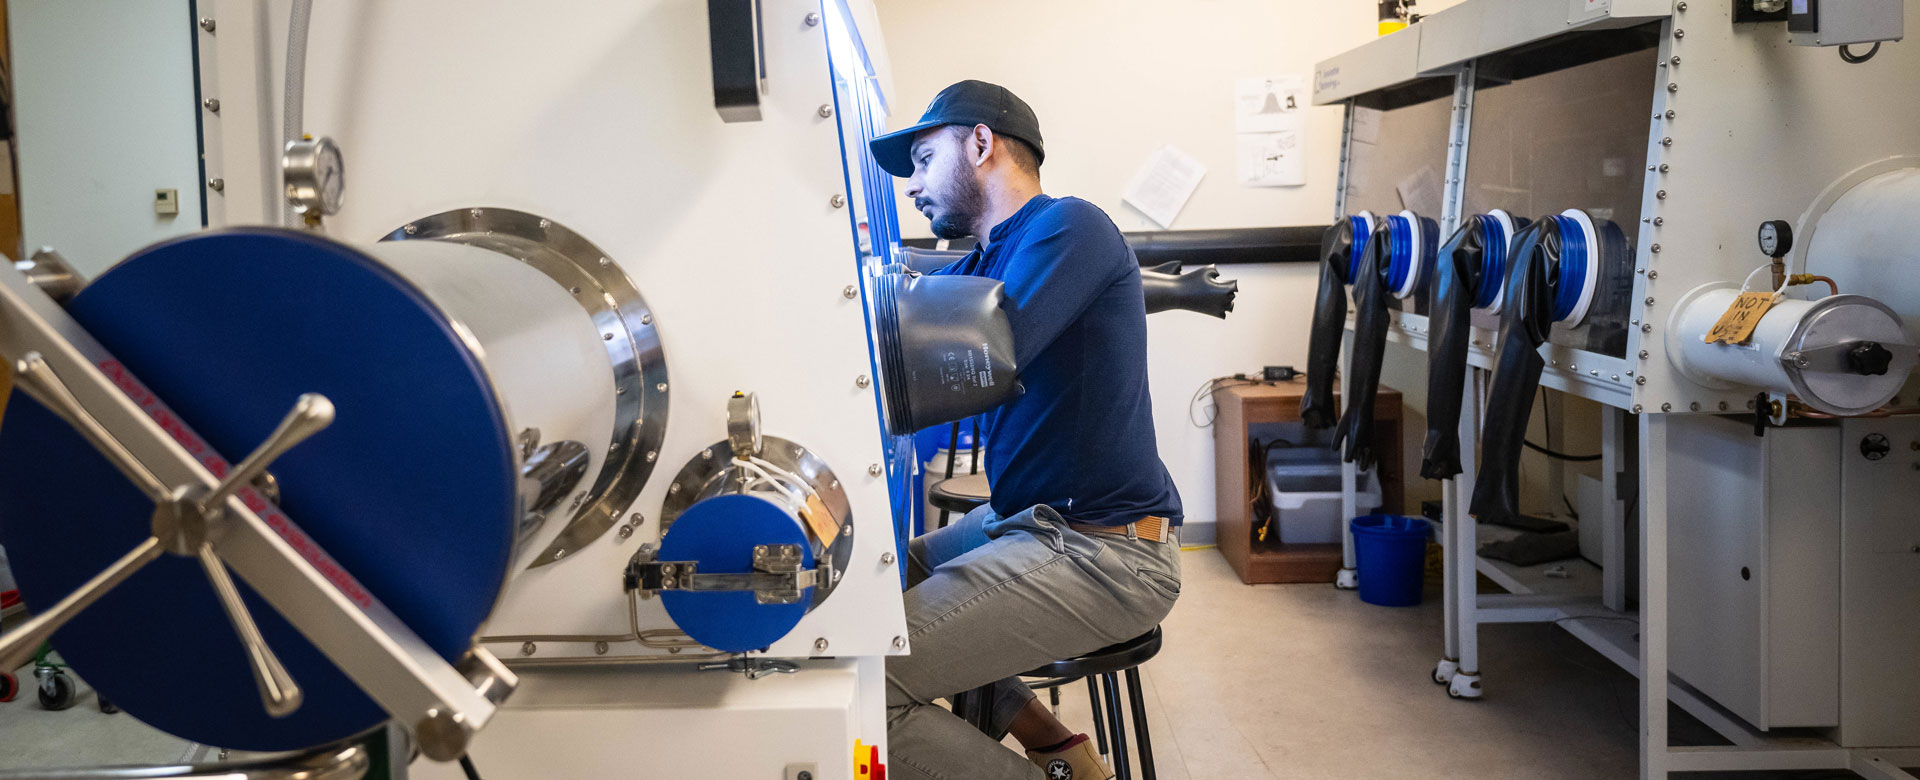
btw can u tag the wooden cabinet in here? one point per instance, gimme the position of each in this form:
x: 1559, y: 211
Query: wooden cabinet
x: 1239, y: 406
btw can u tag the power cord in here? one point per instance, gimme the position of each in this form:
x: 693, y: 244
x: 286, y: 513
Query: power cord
x: 1208, y: 388
x: 1546, y: 414
x: 466, y: 765
x: 1846, y: 53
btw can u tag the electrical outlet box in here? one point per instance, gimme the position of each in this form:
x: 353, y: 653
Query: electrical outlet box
x: 1842, y: 22
x: 166, y: 203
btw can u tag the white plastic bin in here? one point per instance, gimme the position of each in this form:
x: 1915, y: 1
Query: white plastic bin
x: 1306, y: 499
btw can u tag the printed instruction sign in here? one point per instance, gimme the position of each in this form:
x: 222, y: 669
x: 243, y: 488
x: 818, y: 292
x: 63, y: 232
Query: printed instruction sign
x: 1270, y: 125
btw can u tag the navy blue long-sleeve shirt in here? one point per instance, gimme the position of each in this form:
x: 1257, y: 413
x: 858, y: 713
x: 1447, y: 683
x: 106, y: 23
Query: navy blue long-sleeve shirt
x: 1080, y: 439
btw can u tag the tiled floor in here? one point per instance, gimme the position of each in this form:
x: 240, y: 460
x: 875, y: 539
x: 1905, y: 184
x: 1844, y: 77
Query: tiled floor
x: 1272, y: 682
x: 1305, y: 681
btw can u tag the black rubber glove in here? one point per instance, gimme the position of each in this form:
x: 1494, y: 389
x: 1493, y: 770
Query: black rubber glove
x: 1318, y: 405
x: 1369, y: 349
x: 1456, y: 280
x: 1199, y: 290
x: 1526, y: 320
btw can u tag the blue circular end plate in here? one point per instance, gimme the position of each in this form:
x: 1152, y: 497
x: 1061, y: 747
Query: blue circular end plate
x: 719, y: 535
x: 410, y: 490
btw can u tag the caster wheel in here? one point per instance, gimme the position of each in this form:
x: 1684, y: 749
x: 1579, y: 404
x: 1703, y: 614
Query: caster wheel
x: 1464, y: 686
x: 9, y: 687
x: 56, y: 692
x: 1444, y: 672
x: 108, y: 707
x: 1348, y: 579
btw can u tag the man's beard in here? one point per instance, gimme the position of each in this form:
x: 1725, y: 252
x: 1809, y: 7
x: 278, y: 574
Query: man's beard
x: 964, y: 202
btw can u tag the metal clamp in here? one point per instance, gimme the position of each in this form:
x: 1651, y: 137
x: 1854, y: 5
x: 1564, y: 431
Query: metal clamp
x: 779, y: 575
x: 753, y: 668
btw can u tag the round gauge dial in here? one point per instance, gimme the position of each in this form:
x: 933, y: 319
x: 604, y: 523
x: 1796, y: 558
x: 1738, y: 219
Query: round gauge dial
x: 315, y: 174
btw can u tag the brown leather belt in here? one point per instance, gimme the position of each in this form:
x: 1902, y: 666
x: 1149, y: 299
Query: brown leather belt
x: 1150, y: 528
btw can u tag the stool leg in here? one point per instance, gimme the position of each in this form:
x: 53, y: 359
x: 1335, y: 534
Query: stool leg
x: 1141, y: 741
x: 1099, y: 726
x: 1117, y: 726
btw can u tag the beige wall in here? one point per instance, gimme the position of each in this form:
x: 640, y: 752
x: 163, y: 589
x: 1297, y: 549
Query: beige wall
x: 1112, y: 80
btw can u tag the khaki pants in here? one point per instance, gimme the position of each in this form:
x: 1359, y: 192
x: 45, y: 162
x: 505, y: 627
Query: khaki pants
x: 990, y: 597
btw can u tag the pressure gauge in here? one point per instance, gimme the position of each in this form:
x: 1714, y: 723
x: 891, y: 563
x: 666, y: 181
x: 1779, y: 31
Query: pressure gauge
x: 315, y: 175
x: 1776, y: 238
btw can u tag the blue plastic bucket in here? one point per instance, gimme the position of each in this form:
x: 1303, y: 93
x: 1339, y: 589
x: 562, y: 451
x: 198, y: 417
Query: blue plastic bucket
x: 1391, y: 555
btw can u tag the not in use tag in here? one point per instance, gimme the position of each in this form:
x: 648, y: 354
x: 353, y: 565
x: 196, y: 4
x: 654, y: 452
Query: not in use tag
x: 1736, y: 326
x: 825, y: 526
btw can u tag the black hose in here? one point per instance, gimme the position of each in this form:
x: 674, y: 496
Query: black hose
x: 466, y: 765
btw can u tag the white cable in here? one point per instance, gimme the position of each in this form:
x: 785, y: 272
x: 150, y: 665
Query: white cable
x: 1748, y: 282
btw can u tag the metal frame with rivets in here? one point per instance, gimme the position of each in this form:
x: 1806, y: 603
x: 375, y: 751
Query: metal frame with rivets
x: 595, y: 115
x: 1745, y: 128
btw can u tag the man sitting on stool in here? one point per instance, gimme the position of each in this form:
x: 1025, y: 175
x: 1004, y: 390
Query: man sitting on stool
x: 1076, y: 550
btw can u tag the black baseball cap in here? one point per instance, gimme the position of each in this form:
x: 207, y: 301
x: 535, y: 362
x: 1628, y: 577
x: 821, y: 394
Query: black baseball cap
x: 966, y: 103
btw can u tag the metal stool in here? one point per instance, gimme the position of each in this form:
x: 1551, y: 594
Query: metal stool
x: 1105, y: 664
x: 959, y: 494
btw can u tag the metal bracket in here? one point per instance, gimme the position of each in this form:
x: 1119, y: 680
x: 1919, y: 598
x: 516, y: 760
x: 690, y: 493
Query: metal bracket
x: 753, y: 668
x: 778, y: 575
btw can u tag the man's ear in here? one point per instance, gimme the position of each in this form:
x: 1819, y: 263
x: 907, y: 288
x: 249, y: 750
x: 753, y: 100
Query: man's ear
x: 980, y: 144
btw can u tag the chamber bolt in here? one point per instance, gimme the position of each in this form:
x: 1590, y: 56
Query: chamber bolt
x: 1651, y: 274
x: 1658, y: 221
x: 837, y: 201
x: 826, y: 111
x: 1639, y: 380
x: 1662, y: 195
x: 1695, y: 406
x: 1649, y: 300
x: 900, y: 642
x: 217, y: 185
x: 475, y: 213
x: 1656, y: 250
x: 1644, y: 354
x: 861, y: 381
x: 1679, y: 33
x: 599, y: 648
x: 206, y: 24
x: 873, y: 470
x: 1723, y: 406
x: 212, y: 104
x: 886, y: 558
x: 1666, y: 407
x: 410, y: 229
x: 626, y: 531
x: 660, y: 388
x: 849, y: 292
x: 1636, y: 408
x: 1646, y: 327
x: 1675, y: 61
x: 820, y: 645
x: 813, y: 20
x: 528, y: 648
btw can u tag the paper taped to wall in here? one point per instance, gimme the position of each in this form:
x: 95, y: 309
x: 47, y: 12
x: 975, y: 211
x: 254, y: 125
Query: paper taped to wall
x: 1271, y: 160
x: 1163, y: 184
x: 1271, y: 120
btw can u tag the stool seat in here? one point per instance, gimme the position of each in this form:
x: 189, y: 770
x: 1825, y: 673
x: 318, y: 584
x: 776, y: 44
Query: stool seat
x: 1113, y: 658
x: 960, y: 494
